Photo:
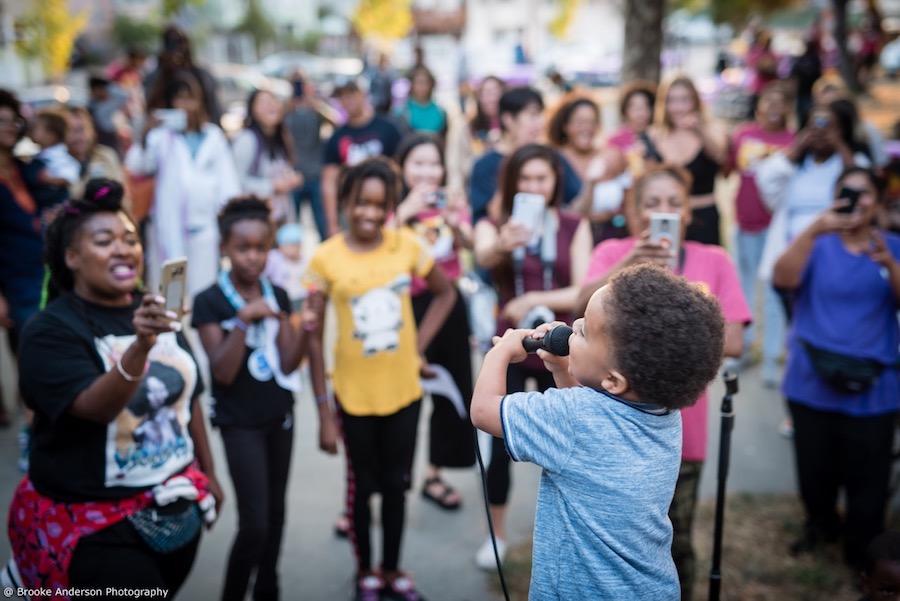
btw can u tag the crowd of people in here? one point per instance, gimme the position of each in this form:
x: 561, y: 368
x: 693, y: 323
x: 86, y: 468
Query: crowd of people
x: 407, y: 201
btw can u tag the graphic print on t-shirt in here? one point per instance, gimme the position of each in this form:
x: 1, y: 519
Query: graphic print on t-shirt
x: 436, y: 235
x: 353, y: 151
x: 150, y: 436
x: 377, y: 316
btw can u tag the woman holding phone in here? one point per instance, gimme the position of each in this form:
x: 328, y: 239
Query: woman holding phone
x: 195, y: 175
x: 844, y: 275
x: 264, y: 157
x: 119, y: 442
x: 536, y: 284
x: 663, y: 191
x: 440, y: 218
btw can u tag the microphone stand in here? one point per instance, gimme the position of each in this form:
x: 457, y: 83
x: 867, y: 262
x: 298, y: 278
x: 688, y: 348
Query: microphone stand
x: 731, y: 388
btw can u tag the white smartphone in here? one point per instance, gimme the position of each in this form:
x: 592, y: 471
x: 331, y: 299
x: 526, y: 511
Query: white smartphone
x: 174, y: 119
x: 666, y: 227
x: 173, y: 283
x: 528, y: 209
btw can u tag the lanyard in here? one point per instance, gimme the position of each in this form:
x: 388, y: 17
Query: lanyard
x: 237, y: 301
x: 547, y: 252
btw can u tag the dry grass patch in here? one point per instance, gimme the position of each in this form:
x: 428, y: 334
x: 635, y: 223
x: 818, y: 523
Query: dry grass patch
x: 755, y: 563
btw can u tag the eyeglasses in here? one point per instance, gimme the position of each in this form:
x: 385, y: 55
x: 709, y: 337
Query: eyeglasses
x: 16, y: 122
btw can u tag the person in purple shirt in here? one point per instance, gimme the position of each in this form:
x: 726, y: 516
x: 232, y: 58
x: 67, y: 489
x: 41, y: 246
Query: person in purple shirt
x: 844, y: 276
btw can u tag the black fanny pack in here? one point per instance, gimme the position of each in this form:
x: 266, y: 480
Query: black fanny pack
x: 847, y: 374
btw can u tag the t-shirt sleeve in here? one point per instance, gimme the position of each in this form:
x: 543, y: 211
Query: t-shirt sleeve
x: 537, y: 427
x: 315, y: 276
x: 284, y: 303
x: 55, y: 366
x: 605, y: 256
x: 729, y: 292
x: 571, y: 182
x: 483, y: 186
x: 204, y: 310
x: 330, y: 154
x: 186, y: 345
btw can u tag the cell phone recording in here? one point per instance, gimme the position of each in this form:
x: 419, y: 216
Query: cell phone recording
x: 851, y: 196
x: 173, y: 283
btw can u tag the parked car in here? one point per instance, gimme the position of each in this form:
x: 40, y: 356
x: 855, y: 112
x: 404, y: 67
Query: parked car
x: 318, y: 68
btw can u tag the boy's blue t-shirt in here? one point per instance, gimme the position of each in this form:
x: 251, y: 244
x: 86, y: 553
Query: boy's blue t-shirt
x: 602, y: 529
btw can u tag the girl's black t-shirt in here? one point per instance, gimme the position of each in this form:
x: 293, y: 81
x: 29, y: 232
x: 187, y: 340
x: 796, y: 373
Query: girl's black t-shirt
x: 254, y: 398
x: 64, y: 350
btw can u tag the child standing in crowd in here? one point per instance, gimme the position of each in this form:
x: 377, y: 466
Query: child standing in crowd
x: 609, y: 436
x: 285, y: 265
x: 367, y: 271
x: 253, y: 355
x: 61, y: 168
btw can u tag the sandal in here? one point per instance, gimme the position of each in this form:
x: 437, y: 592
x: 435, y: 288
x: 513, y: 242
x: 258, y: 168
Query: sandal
x: 441, y: 499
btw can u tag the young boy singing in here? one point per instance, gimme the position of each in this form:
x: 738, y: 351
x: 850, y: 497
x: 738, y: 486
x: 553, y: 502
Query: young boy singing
x: 609, y: 437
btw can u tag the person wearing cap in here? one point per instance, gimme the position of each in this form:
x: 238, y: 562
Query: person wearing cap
x: 364, y: 135
x: 285, y: 264
x: 105, y: 102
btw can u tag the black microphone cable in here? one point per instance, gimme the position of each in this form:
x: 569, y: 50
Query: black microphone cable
x: 487, y: 510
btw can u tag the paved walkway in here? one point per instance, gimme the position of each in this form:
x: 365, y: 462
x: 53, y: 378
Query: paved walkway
x: 438, y: 546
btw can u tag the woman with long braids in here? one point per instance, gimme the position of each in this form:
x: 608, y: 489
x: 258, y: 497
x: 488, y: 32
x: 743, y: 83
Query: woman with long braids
x: 121, y: 477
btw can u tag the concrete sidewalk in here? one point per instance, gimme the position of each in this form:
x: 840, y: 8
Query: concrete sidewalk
x: 439, y: 546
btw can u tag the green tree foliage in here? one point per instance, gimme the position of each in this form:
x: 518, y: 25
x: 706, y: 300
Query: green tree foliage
x: 49, y: 33
x: 171, y: 8
x: 257, y: 23
x: 139, y: 34
x: 736, y: 12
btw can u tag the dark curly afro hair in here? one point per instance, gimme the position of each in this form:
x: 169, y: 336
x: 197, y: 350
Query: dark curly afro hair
x: 667, y: 336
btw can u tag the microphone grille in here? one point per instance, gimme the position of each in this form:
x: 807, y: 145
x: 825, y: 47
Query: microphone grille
x: 558, y: 340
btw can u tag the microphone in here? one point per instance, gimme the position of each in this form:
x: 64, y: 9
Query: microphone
x: 556, y: 342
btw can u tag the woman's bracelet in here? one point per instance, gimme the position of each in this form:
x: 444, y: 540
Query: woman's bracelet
x: 321, y: 399
x: 128, y: 377
x: 239, y: 324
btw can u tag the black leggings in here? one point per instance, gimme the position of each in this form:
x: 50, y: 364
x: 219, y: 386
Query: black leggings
x: 379, y: 453
x: 259, y: 460
x: 118, y: 557
x: 498, y: 474
x: 835, y: 450
x: 451, y: 438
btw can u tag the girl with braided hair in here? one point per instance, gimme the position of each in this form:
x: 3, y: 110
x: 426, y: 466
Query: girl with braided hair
x: 101, y: 507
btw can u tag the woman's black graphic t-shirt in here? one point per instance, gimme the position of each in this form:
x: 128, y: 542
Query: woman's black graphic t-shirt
x: 64, y: 349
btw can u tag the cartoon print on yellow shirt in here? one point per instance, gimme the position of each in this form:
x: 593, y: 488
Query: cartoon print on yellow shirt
x: 377, y: 316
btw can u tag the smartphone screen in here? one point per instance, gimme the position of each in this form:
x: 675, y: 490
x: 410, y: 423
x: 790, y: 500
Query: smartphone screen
x: 666, y: 227
x: 850, y: 195
x: 173, y: 280
x: 528, y: 209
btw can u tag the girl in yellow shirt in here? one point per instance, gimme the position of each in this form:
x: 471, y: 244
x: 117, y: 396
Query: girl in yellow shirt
x: 367, y: 271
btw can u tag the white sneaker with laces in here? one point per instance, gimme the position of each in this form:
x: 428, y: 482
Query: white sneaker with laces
x: 485, y: 559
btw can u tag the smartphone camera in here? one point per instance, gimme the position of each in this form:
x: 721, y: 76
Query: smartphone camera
x: 850, y: 195
x: 438, y: 199
x: 298, y: 88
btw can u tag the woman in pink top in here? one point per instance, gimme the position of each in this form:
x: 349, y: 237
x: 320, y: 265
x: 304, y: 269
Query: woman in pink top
x: 664, y: 189
x: 751, y: 143
x: 440, y: 216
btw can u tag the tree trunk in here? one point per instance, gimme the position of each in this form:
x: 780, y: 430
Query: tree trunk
x: 845, y: 61
x: 643, y: 40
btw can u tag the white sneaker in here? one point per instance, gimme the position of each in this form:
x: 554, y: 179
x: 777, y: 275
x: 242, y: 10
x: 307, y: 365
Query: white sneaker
x: 485, y: 559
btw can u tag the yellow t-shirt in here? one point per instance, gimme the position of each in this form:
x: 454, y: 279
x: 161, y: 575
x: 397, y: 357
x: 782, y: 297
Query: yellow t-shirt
x: 376, y: 367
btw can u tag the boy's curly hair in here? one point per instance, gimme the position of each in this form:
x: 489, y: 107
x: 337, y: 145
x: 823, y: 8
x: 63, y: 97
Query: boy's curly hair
x: 667, y: 336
